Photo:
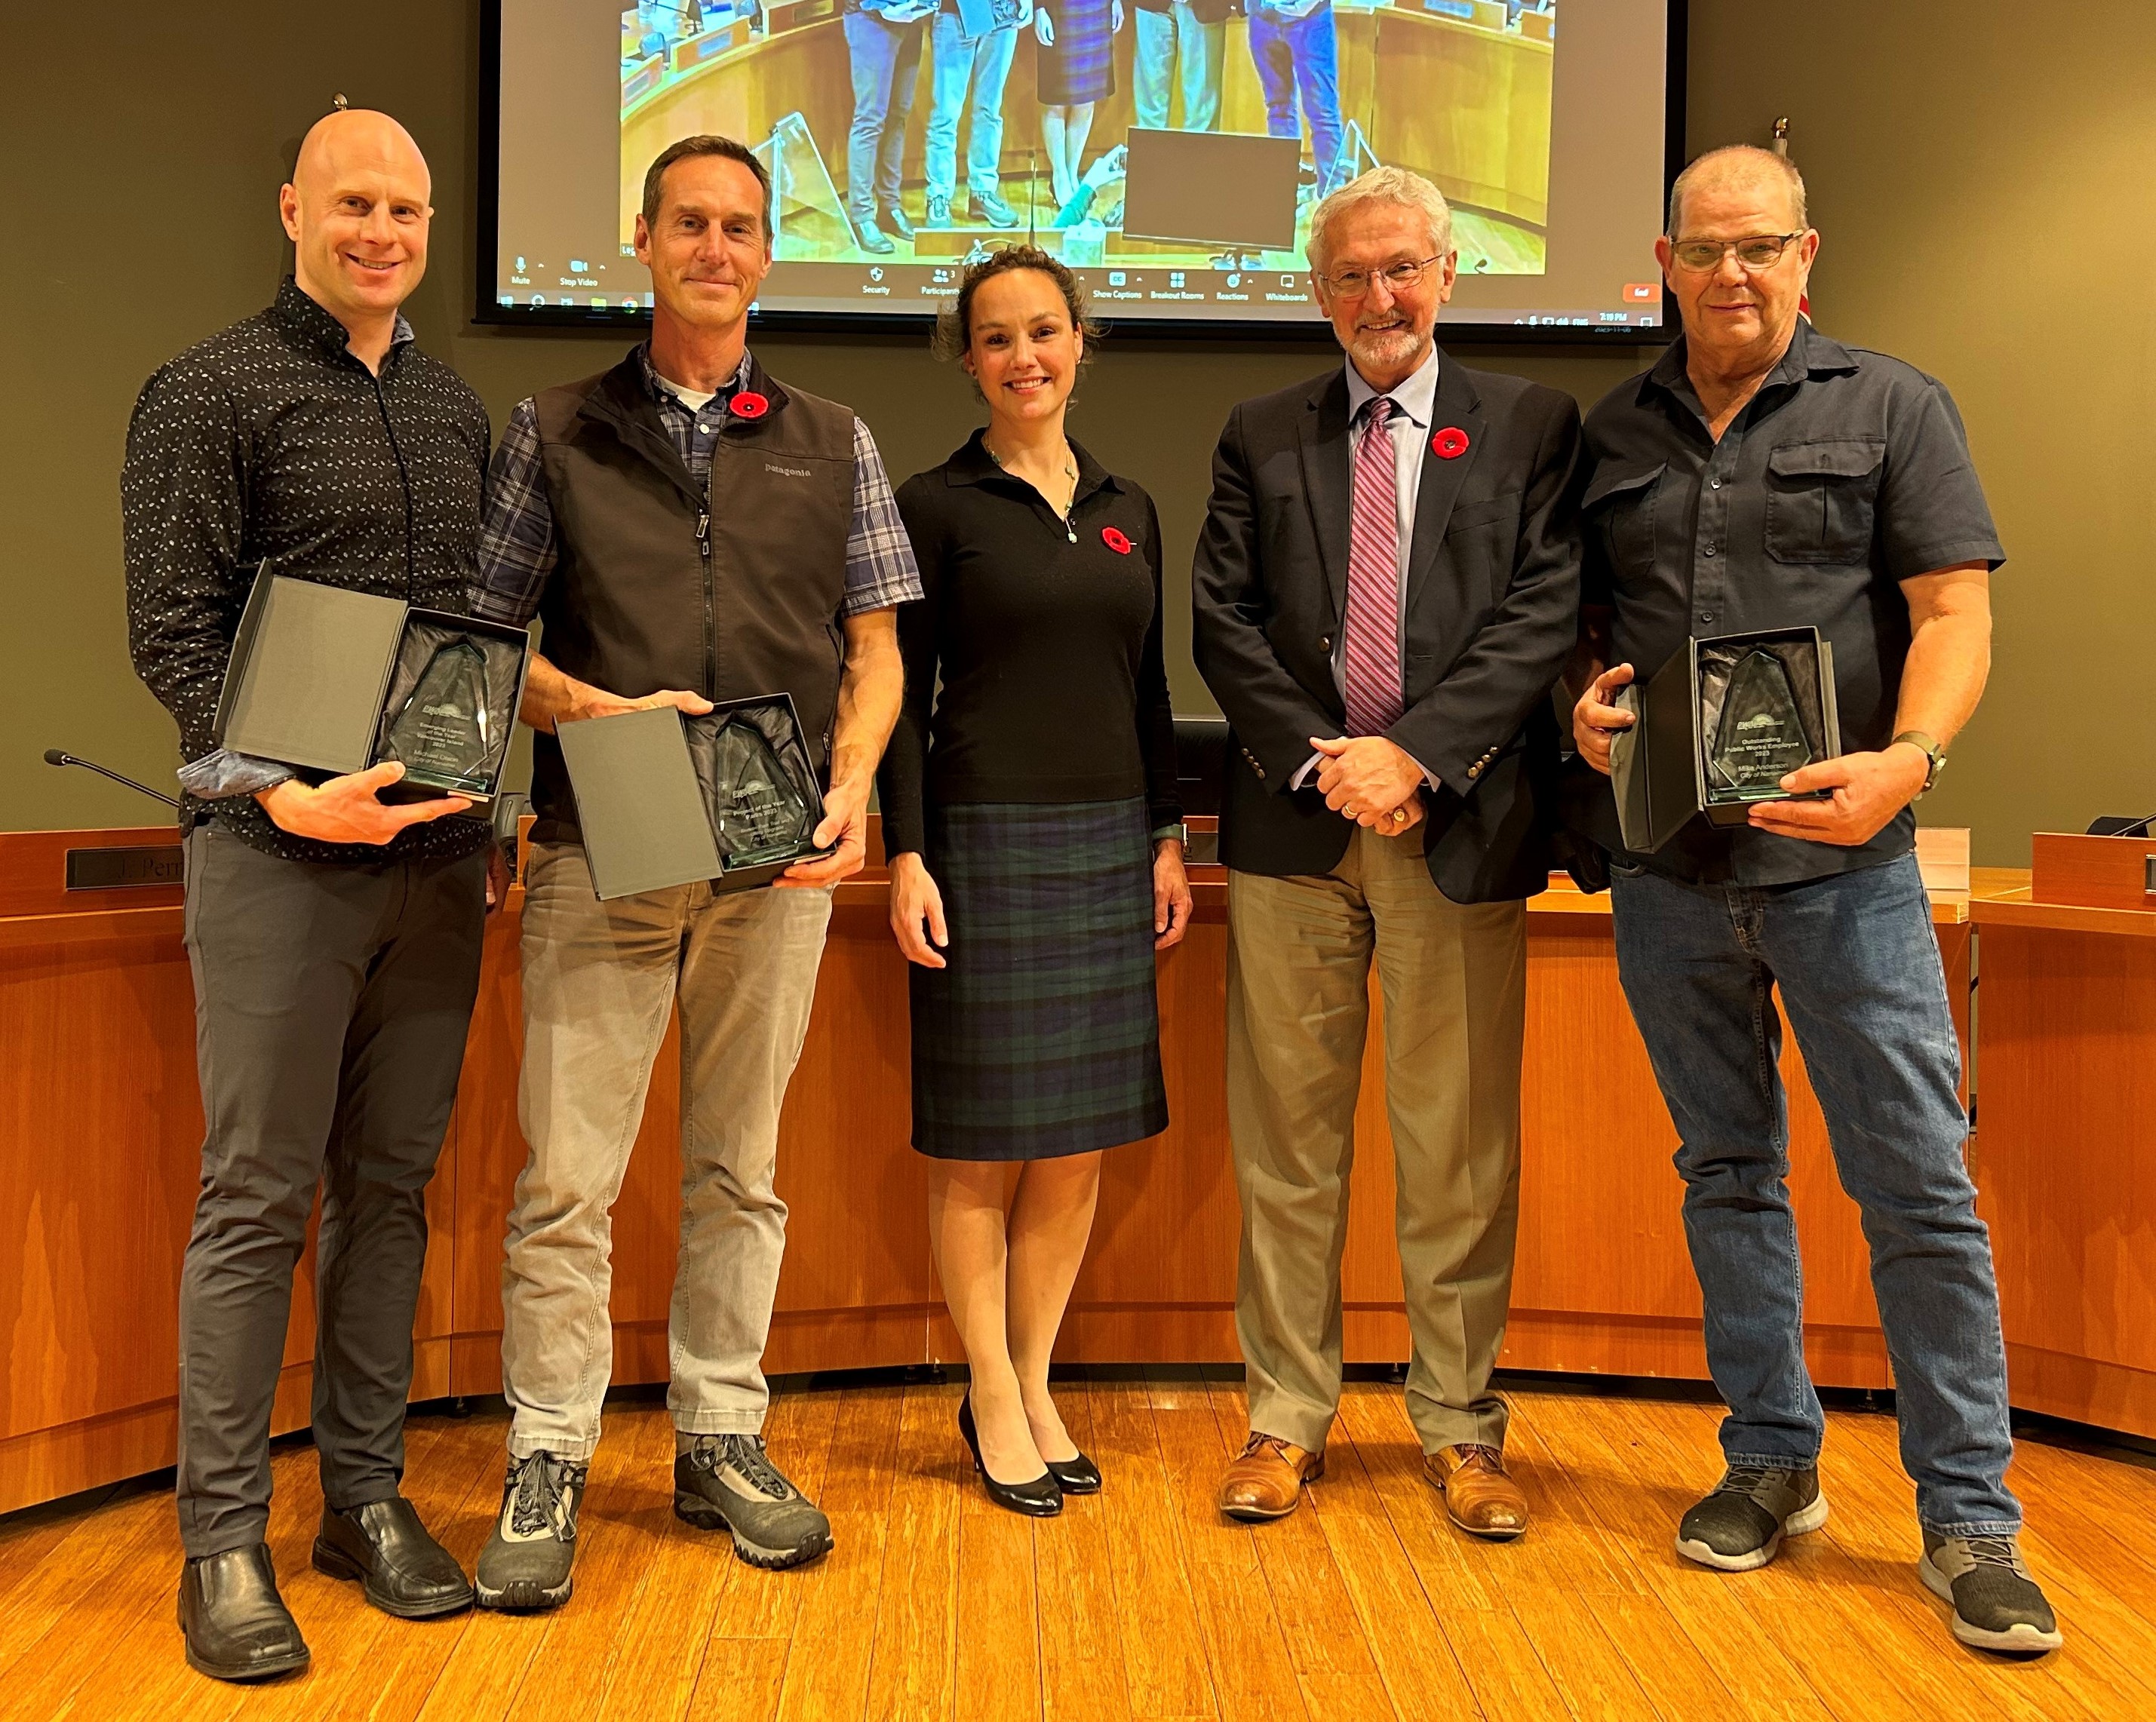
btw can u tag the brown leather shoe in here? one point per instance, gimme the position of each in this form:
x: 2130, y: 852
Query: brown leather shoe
x: 1479, y: 1494
x: 1266, y: 1481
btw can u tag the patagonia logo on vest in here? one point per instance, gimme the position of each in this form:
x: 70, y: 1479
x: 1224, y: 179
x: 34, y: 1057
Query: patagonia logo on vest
x: 789, y: 472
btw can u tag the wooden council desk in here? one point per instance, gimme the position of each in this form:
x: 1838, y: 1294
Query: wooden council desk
x: 101, y: 1126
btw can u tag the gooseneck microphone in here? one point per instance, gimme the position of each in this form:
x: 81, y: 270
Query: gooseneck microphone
x: 53, y: 757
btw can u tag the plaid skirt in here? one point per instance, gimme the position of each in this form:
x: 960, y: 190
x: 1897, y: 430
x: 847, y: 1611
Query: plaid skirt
x: 1042, y: 1036
x: 1082, y: 66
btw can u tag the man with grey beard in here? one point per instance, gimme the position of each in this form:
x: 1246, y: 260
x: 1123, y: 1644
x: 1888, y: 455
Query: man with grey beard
x: 1385, y: 591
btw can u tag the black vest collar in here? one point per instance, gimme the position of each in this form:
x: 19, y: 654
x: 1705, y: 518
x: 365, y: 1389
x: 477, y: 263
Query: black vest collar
x: 622, y: 403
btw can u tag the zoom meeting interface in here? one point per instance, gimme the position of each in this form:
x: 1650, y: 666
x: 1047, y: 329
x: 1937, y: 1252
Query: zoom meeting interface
x: 1168, y: 150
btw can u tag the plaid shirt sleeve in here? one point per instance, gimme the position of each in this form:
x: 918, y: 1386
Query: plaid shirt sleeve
x: 880, y: 573
x: 516, y: 550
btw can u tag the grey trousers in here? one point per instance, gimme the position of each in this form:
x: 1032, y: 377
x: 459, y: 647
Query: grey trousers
x: 331, y: 1009
x: 600, y: 980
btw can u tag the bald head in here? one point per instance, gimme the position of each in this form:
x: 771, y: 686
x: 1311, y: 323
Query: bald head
x: 356, y: 211
x: 357, y: 140
x: 1743, y: 168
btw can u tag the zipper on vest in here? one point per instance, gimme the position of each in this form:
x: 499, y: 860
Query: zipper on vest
x: 710, y: 643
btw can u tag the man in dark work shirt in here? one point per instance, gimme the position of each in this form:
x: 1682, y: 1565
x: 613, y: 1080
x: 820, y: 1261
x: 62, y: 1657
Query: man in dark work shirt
x: 335, y: 941
x: 1762, y: 476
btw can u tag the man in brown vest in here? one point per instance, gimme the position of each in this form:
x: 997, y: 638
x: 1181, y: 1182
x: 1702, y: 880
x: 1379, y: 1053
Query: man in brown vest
x: 686, y: 530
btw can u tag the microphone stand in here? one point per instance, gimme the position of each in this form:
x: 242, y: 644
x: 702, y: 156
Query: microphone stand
x: 53, y: 757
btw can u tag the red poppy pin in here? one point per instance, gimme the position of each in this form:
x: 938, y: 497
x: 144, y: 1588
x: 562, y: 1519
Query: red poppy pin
x: 1450, y: 443
x: 1115, y: 541
x: 749, y: 404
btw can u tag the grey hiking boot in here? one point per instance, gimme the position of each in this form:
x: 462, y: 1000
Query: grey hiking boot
x: 1996, y: 1605
x: 525, y: 1563
x: 1739, y: 1528
x: 728, y: 1483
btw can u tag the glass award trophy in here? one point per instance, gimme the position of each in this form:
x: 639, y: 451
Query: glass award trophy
x: 760, y: 812
x: 1760, y: 737
x: 444, y: 734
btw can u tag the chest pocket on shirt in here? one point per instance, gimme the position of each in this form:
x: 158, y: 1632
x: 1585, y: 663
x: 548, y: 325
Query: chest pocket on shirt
x: 1619, y: 504
x: 1821, y: 500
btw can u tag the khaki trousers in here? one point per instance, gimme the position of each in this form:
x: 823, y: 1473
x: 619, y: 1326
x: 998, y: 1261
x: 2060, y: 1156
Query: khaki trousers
x: 1455, y: 980
x: 599, y: 981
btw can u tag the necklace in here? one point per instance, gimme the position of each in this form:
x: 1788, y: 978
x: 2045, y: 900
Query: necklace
x: 1069, y: 472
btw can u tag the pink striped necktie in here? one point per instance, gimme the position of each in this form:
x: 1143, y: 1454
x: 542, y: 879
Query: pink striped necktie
x: 1372, y: 651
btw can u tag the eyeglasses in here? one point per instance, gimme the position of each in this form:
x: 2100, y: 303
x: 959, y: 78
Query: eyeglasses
x: 1758, y: 251
x: 1354, y: 284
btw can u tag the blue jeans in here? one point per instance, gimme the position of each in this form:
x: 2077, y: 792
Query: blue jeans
x: 1858, y: 966
x: 886, y: 64
x: 1302, y: 54
x: 983, y: 63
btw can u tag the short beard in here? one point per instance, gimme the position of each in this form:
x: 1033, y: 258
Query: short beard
x: 1383, y: 348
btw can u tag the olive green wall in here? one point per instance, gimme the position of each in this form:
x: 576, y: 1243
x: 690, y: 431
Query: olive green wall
x: 1981, y: 171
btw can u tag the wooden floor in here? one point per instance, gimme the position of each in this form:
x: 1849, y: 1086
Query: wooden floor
x: 1140, y: 1603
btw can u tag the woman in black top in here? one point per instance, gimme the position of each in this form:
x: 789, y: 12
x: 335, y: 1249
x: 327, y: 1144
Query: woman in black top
x: 1036, y: 862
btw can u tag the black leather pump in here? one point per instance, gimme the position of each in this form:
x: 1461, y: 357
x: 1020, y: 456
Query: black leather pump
x: 1041, y: 1499
x: 1076, y: 1475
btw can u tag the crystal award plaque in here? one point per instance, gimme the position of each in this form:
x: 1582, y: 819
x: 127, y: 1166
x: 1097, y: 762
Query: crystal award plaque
x: 444, y: 734
x: 760, y: 812
x: 1759, y: 737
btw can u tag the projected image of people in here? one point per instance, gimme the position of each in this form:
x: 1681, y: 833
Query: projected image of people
x: 1170, y: 152
x: 1053, y: 114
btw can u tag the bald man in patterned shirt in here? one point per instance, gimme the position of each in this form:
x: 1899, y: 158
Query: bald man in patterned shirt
x: 335, y: 941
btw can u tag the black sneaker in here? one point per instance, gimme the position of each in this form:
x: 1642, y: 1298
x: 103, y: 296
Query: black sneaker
x: 1739, y: 1528
x: 728, y: 1483
x: 939, y: 211
x: 525, y: 1563
x: 1996, y: 1605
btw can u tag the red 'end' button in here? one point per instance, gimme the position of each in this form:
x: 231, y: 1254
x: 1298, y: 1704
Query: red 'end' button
x: 1642, y: 292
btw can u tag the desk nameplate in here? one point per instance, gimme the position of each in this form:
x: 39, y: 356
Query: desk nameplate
x: 117, y: 868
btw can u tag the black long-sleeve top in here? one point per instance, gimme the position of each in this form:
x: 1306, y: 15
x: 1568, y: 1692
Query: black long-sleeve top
x: 1047, y: 638
x: 271, y: 440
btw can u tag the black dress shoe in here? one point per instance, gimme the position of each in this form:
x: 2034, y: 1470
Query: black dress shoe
x: 894, y: 218
x: 1078, y: 1475
x: 236, y: 1626
x: 401, y: 1570
x: 1041, y: 1499
x: 872, y: 240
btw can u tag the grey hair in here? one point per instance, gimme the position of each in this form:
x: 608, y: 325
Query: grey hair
x: 1380, y: 185
x: 1729, y: 155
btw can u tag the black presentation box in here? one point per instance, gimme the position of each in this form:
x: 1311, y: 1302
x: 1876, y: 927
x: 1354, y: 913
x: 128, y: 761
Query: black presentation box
x: 1664, y: 768
x: 654, y: 811
x: 319, y: 676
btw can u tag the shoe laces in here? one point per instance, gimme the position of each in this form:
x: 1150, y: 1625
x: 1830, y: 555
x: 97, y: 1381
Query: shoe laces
x: 1257, y: 1442
x: 1749, y: 1479
x: 745, y: 1454
x: 541, y: 1501
x: 1999, y: 1551
x: 1470, y: 1451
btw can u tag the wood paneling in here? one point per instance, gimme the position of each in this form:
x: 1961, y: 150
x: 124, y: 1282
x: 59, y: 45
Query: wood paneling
x: 2066, y: 1143
x: 2100, y: 872
x: 100, y: 1132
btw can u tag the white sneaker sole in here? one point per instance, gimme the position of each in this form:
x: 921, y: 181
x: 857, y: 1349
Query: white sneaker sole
x: 1798, y: 1524
x: 2020, y: 1639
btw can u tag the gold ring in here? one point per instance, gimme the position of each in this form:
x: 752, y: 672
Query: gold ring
x: 1399, y: 815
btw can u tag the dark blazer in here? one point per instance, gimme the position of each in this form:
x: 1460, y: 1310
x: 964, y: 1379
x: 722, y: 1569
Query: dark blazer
x: 1492, y: 607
